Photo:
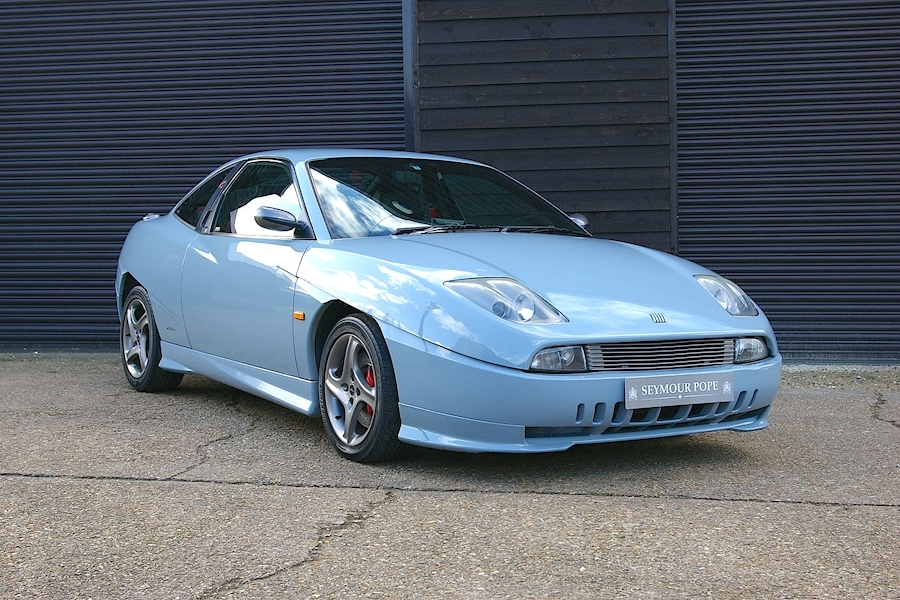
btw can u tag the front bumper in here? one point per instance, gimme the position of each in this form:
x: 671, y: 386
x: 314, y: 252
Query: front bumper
x: 453, y: 402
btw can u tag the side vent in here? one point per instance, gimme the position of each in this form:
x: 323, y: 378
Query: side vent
x: 658, y: 317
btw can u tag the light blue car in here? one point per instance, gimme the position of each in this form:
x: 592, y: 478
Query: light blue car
x: 426, y: 300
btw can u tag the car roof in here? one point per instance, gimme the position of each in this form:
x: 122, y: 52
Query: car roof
x: 302, y: 155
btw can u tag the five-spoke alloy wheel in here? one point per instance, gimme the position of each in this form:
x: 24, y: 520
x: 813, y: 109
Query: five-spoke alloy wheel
x: 358, y: 392
x: 140, y: 346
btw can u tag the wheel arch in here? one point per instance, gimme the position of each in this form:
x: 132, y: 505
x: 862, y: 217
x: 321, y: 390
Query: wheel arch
x: 333, y: 312
x: 126, y: 283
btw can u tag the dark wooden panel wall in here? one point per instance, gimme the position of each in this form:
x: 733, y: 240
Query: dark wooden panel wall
x: 568, y: 96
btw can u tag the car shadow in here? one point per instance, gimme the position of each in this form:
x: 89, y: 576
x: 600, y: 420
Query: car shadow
x: 641, y: 467
x: 426, y: 468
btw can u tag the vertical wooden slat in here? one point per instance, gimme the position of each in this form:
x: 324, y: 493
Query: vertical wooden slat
x: 570, y: 97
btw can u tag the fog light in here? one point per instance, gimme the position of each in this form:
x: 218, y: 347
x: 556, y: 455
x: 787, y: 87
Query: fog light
x: 749, y: 350
x: 561, y: 359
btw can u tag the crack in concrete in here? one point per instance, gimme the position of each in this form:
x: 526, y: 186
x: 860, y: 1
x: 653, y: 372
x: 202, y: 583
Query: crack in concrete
x: 446, y: 490
x: 878, y: 407
x: 200, y: 449
x: 352, y: 520
x: 203, y: 458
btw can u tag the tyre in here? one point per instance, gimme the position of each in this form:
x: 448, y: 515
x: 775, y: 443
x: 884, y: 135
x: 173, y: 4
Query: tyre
x: 358, y: 392
x: 140, y: 346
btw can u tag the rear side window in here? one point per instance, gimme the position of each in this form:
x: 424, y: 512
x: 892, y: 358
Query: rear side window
x: 191, y: 208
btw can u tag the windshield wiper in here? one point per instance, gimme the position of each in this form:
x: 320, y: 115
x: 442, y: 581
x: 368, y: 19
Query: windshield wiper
x: 544, y: 229
x: 449, y: 228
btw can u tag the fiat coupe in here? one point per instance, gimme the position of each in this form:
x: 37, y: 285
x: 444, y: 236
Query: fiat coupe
x: 414, y: 299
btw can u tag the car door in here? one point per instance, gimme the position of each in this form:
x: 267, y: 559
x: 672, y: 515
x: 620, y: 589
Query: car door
x: 238, y: 278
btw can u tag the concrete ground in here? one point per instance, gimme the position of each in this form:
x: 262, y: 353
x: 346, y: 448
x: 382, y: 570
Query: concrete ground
x: 208, y: 493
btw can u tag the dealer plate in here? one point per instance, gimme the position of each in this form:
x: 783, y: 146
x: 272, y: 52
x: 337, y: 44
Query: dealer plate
x: 675, y: 390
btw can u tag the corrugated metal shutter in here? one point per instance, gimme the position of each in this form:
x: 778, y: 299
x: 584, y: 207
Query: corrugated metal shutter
x: 110, y: 110
x: 788, y: 120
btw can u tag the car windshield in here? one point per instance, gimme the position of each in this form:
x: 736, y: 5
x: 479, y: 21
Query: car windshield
x: 374, y: 196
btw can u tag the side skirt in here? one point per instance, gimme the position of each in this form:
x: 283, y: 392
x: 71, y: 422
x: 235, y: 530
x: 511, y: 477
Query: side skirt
x: 294, y: 393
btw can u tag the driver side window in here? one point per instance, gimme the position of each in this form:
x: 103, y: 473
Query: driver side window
x: 259, y: 184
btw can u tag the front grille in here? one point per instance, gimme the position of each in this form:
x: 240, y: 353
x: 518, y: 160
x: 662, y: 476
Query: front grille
x: 655, y: 355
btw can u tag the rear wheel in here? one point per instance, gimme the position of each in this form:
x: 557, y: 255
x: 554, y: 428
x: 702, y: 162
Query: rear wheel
x: 358, y: 392
x: 140, y: 346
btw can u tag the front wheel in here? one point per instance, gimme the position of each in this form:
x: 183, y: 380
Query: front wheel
x: 358, y: 392
x: 140, y: 346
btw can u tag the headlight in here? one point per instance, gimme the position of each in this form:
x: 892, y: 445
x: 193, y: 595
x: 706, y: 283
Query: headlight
x: 750, y: 350
x: 562, y: 359
x: 728, y: 294
x: 508, y: 299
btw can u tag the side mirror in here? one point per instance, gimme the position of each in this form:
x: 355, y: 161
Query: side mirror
x: 580, y: 220
x: 276, y: 219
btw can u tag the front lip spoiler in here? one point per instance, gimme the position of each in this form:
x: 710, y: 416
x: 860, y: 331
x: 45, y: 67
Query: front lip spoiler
x: 526, y: 445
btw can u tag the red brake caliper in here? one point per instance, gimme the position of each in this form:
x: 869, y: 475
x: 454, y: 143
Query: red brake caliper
x: 370, y: 381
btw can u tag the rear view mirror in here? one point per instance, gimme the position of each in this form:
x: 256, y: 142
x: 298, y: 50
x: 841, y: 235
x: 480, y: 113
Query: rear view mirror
x: 276, y: 219
x: 580, y: 220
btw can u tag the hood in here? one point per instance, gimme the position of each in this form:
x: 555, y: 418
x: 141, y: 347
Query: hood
x: 610, y: 288
x: 608, y: 291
